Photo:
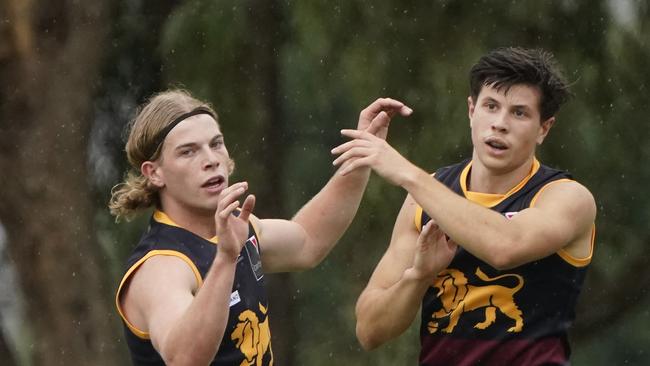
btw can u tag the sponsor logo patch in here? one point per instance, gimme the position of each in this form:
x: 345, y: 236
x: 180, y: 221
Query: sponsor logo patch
x: 234, y: 298
x: 252, y: 248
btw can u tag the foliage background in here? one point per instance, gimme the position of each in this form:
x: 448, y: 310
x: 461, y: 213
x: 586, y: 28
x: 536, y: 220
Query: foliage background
x: 285, y: 77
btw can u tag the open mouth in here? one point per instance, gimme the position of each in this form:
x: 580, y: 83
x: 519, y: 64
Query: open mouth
x: 214, y: 182
x: 496, y: 144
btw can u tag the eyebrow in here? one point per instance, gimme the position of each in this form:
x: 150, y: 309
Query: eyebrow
x: 194, y: 144
x: 490, y: 99
x: 522, y: 106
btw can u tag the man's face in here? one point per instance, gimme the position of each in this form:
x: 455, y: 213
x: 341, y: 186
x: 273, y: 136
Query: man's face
x: 506, y: 127
x: 195, y: 164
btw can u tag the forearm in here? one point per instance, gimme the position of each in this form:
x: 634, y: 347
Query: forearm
x: 326, y: 216
x: 384, y: 314
x: 197, y: 335
x: 482, y: 232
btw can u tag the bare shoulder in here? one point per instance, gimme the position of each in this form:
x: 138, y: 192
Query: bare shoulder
x: 572, y: 208
x: 569, y: 197
x: 159, y: 283
x: 165, y: 271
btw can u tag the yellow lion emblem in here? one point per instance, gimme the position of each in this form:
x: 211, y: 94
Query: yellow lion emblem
x: 252, y: 337
x: 458, y: 297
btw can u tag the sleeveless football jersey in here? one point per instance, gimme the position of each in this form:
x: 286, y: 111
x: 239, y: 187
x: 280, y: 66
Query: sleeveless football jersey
x: 475, y: 314
x: 247, y: 337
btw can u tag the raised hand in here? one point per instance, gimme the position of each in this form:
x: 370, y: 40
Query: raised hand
x: 367, y: 150
x: 375, y: 118
x: 232, y: 230
x: 433, y: 252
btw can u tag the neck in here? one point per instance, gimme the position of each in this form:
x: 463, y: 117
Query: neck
x: 485, y: 180
x: 197, y: 221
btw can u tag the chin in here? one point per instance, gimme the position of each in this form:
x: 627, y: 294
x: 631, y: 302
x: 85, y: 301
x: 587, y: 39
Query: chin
x: 498, y: 165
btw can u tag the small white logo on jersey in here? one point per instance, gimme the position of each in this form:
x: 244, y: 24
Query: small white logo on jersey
x: 234, y: 298
x: 509, y: 215
x: 253, y: 241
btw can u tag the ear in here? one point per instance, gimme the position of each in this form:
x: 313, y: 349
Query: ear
x: 151, y: 170
x: 231, y: 166
x: 544, y: 128
x: 470, y: 109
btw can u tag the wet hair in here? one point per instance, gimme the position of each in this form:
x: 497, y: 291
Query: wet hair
x: 504, y: 67
x: 144, y: 143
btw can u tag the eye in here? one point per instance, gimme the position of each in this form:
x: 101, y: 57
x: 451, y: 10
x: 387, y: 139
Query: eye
x: 217, y: 143
x: 491, y: 106
x: 519, y: 113
x: 186, y: 152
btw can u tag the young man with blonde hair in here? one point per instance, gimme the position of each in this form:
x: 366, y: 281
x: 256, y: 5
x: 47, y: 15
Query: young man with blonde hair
x: 193, y: 292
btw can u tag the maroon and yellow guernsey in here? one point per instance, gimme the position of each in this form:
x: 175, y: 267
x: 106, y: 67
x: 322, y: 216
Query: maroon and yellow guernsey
x: 474, y: 314
x: 247, y: 337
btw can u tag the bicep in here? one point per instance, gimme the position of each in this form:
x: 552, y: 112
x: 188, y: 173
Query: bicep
x: 282, y: 244
x: 160, y: 292
x: 562, y: 215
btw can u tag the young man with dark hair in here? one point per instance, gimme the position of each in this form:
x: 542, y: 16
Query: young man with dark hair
x: 495, y: 248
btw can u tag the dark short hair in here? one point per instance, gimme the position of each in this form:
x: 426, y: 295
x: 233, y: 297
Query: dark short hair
x: 504, y: 67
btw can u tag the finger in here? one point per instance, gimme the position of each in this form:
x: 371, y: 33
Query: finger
x: 354, y: 164
x: 381, y: 121
x: 226, y: 212
x: 247, y: 207
x: 348, y: 145
x: 425, y: 235
x: 233, y: 187
x: 426, y: 228
x: 381, y: 104
x: 356, y: 134
x: 352, y: 153
x: 405, y: 111
x: 231, y: 195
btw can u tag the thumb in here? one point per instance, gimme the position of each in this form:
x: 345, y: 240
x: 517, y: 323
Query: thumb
x: 247, y: 207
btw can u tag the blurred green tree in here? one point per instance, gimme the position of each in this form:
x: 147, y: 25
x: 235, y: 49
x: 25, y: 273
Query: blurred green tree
x: 49, y: 65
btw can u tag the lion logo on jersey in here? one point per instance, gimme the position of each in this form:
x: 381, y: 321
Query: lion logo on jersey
x: 458, y: 297
x: 252, y: 337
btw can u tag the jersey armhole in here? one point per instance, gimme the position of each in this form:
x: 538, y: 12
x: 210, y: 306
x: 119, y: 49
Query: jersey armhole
x: 256, y: 231
x: 199, y: 281
x: 562, y: 253
x: 418, y: 218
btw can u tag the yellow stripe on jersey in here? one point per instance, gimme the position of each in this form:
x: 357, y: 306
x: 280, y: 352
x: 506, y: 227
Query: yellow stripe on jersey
x: 418, y: 217
x: 574, y: 261
x: 489, y: 199
x: 162, y: 218
x: 580, y: 262
x: 199, y: 281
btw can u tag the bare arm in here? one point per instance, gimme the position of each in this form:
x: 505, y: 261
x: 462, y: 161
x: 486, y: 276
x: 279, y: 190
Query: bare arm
x: 562, y: 218
x: 390, y: 302
x: 186, y: 324
x: 306, y: 240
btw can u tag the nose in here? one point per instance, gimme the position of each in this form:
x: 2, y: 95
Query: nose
x: 211, y: 159
x: 500, y: 123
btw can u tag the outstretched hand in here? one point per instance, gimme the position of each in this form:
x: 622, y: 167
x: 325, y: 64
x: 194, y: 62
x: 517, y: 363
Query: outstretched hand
x: 232, y: 230
x: 433, y: 253
x: 368, y: 147
x: 367, y: 150
x: 375, y: 118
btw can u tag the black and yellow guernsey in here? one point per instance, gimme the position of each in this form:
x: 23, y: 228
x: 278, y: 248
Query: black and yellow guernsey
x: 247, y: 338
x: 474, y: 314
